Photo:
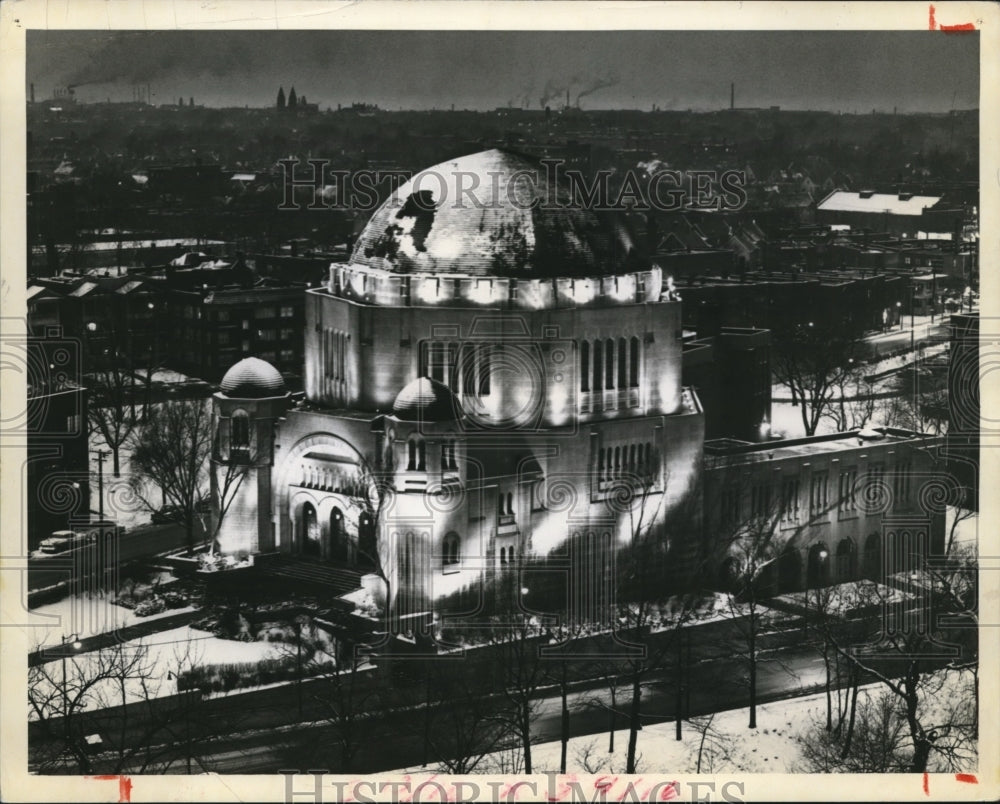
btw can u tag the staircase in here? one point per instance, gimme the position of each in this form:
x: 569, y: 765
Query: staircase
x: 311, y: 575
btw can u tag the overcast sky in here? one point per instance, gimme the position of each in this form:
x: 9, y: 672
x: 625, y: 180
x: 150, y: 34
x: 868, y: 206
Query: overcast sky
x: 854, y: 70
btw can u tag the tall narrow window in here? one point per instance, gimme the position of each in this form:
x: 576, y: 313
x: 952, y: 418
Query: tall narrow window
x: 421, y: 457
x: 598, y: 370
x: 510, y: 503
x: 618, y: 461
x: 411, y: 454
x: 600, y: 465
x: 484, y: 370
x: 450, y: 553
x: 633, y: 363
x: 622, y: 363
x: 609, y: 363
x: 585, y: 366
x: 240, y: 430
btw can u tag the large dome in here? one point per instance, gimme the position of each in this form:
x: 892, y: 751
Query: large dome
x: 252, y: 378
x: 492, y: 213
x: 425, y: 400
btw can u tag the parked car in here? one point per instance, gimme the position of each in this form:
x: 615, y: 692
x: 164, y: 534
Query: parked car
x: 58, y: 542
x: 167, y: 514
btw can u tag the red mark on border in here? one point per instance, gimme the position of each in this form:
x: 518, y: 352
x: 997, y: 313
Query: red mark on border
x: 968, y: 778
x: 961, y: 27
x: 927, y: 778
x: 124, y: 786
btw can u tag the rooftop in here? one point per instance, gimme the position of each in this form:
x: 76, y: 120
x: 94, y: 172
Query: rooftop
x: 740, y: 452
x: 866, y: 201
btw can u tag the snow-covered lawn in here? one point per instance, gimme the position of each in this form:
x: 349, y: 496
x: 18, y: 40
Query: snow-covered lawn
x: 719, y: 743
x: 845, y: 597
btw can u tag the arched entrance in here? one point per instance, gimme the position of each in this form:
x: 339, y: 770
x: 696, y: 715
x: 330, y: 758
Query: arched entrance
x: 367, y: 544
x: 873, y: 557
x: 340, y: 546
x: 309, y: 541
x: 790, y: 571
x: 818, y: 571
x: 846, y: 568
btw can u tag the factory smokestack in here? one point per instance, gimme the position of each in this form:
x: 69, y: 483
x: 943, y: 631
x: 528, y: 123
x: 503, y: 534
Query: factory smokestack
x: 732, y: 96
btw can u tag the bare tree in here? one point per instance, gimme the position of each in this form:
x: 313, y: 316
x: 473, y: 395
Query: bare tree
x: 813, y: 360
x: 111, y: 411
x: 172, y: 451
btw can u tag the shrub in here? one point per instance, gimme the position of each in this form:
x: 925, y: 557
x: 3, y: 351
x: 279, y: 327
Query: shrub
x: 153, y: 605
x: 174, y: 600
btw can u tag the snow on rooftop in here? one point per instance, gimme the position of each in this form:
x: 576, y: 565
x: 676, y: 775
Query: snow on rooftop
x: 843, y: 201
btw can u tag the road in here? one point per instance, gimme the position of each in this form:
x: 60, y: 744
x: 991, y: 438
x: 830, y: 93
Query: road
x: 141, y: 542
x: 396, y: 740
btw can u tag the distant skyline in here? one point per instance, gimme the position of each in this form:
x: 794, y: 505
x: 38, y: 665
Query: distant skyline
x: 912, y: 71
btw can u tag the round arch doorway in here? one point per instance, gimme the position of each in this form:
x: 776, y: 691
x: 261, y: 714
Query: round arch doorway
x: 340, y: 544
x: 310, y: 542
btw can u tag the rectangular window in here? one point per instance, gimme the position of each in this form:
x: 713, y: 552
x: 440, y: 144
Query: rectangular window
x: 267, y: 335
x: 287, y: 334
x: 222, y: 315
x: 287, y: 312
x: 818, y: 493
x: 730, y: 512
x: 287, y: 355
x: 223, y: 338
x: 73, y: 423
x: 790, y: 498
x: 263, y: 312
x: 246, y: 324
x: 760, y: 500
x: 846, y: 500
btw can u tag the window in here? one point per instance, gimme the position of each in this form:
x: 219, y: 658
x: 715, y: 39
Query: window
x: 760, y: 500
x: 267, y: 335
x: 448, y: 454
x: 73, y: 423
x: 451, y: 552
x: 224, y: 338
x: 484, y: 369
x: 287, y: 334
x: 246, y: 324
x: 846, y: 500
x: 585, y: 366
x: 287, y: 355
x: 818, y: 493
x: 730, y: 512
x: 633, y: 364
x: 416, y: 455
x: 222, y: 315
x: 239, y: 434
x: 598, y: 372
x: 790, y: 498
x: 609, y: 364
x: 263, y: 312
x: 622, y: 363
x: 287, y: 312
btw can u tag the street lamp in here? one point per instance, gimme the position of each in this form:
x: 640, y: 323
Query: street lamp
x: 899, y: 314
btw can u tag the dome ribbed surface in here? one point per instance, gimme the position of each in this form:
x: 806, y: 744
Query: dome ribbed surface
x: 493, y: 213
x: 426, y: 400
x: 252, y: 378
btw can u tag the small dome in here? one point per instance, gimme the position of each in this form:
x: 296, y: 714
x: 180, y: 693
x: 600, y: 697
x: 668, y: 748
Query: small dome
x: 425, y: 400
x: 252, y: 378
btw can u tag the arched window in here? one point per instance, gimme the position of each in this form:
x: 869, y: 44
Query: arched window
x: 609, y: 363
x: 585, y: 366
x: 239, y: 433
x: 309, y: 539
x: 510, y: 503
x: 503, y: 555
x: 622, y: 363
x: 450, y: 552
x: 631, y: 459
x: 618, y: 461
x: 421, y: 457
x: 598, y: 371
x: 647, y: 459
x: 411, y: 455
x: 633, y: 363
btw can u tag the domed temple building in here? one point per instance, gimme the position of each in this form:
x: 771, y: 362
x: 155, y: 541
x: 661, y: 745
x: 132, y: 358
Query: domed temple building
x: 484, y: 378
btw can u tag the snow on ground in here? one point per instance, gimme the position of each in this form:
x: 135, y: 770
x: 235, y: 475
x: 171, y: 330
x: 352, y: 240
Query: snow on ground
x: 84, y: 616
x: 166, y: 653
x: 725, y: 743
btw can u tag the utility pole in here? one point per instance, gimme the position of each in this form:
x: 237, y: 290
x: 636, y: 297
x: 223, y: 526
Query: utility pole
x: 102, y: 454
